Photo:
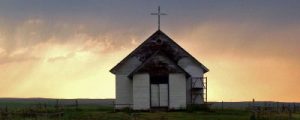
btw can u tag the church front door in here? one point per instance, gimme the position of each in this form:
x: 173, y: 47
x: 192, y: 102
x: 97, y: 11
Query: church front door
x: 159, y: 91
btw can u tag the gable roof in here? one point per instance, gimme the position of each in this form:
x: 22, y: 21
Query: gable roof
x: 158, y: 41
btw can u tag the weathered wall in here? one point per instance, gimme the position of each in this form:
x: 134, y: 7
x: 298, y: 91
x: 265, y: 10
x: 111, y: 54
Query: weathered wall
x: 177, y: 87
x: 188, y: 91
x: 141, y: 91
x: 123, y: 92
x: 191, y: 67
x: 126, y: 68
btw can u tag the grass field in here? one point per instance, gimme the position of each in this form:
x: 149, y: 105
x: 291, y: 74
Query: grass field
x: 43, y: 111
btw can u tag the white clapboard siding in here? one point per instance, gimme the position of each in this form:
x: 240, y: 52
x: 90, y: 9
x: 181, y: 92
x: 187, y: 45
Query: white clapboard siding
x: 123, y: 92
x: 163, y: 96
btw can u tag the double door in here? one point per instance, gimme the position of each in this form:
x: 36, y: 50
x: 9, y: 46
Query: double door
x: 159, y: 95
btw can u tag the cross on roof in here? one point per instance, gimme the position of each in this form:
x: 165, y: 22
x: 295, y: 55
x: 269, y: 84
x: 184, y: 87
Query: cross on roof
x: 158, y: 15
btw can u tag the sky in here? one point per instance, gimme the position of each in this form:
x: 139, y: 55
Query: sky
x: 65, y: 49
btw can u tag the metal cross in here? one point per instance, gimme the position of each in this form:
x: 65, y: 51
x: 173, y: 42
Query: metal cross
x: 158, y: 15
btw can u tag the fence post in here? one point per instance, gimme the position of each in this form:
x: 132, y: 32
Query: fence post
x: 253, y: 103
x: 56, y: 105
x: 76, y: 104
x: 277, y: 106
x: 222, y: 105
x: 294, y: 108
x: 114, y: 106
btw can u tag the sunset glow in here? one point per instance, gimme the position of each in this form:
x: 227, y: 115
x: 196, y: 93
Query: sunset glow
x: 58, y: 49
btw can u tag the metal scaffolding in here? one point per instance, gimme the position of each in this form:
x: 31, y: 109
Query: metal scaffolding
x: 198, y: 90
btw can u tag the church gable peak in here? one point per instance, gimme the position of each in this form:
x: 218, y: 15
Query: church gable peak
x: 158, y: 41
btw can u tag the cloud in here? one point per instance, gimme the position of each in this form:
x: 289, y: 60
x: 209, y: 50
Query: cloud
x: 33, y: 31
x: 35, y: 36
x: 244, y: 40
x: 58, y: 58
x: 16, y: 59
x: 16, y: 56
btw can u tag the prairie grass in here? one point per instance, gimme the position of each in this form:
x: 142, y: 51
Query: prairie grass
x: 16, y: 111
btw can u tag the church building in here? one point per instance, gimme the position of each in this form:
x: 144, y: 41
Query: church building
x: 159, y: 74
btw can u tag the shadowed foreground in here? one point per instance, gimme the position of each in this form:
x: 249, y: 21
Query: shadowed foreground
x: 75, y: 110
x: 107, y: 113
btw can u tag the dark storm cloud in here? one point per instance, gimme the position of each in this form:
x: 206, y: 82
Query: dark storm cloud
x: 124, y: 12
x: 123, y: 20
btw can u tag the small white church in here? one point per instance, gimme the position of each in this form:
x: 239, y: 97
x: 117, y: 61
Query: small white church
x: 159, y: 74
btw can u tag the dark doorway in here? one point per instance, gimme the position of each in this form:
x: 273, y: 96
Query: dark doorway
x: 159, y: 79
x: 159, y: 91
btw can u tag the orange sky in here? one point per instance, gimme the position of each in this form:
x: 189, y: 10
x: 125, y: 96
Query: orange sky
x: 63, y: 58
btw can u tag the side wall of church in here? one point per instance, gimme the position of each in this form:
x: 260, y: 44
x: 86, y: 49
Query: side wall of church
x: 124, y: 97
x: 123, y: 92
